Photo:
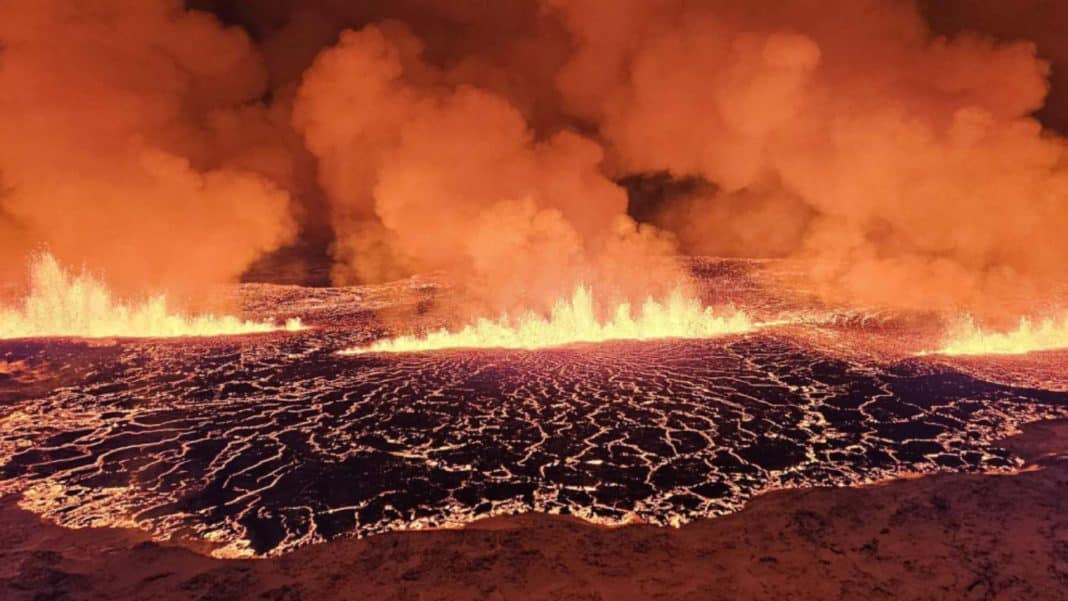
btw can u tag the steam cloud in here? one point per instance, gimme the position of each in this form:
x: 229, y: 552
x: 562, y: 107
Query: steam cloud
x: 901, y: 166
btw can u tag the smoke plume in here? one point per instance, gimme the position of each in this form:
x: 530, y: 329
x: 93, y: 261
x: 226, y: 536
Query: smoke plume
x: 131, y: 143
x: 903, y: 166
x: 896, y: 149
x: 426, y: 174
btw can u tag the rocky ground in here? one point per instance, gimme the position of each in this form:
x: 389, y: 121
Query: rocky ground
x: 954, y: 536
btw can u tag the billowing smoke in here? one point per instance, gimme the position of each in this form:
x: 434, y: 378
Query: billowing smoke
x: 890, y: 146
x: 905, y: 167
x: 426, y: 174
x: 131, y: 143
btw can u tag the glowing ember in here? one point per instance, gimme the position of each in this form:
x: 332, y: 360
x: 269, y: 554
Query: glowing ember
x: 61, y: 304
x: 575, y: 320
x: 968, y: 338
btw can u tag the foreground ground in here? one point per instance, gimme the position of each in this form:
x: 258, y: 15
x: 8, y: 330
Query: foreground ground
x: 942, y: 537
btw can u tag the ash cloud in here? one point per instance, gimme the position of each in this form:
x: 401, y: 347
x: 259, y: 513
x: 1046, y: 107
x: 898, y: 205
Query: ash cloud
x: 894, y: 148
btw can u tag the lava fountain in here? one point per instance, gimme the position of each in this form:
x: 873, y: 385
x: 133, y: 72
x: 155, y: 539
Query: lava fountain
x: 969, y: 338
x: 61, y: 304
x: 575, y: 320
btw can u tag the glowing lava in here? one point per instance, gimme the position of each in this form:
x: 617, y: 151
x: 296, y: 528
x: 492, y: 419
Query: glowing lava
x: 968, y: 338
x: 574, y: 320
x: 61, y: 304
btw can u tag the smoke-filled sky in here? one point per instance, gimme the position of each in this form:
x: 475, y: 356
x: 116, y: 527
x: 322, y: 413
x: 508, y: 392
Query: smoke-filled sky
x: 906, y: 153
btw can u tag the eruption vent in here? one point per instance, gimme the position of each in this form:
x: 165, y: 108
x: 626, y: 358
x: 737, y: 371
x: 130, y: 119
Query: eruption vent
x: 61, y: 304
x: 969, y: 338
x: 575, y: 320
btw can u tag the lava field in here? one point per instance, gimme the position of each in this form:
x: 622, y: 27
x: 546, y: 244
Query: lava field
x: 253, y: 445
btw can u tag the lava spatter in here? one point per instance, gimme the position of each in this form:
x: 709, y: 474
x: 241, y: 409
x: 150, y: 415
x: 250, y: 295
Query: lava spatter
x: 575, y: 320
x: 60, y: 304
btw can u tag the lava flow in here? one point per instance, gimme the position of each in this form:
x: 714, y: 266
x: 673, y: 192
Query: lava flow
x: 575, y: 320
x: 80, y: 306
x: 969, y: 338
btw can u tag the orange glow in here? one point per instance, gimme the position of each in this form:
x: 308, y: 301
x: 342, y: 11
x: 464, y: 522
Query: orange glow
x: 968, y: 338
x: 574, y: 320
x: 61, y: 304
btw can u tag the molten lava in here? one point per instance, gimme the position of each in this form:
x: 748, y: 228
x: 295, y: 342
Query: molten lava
x: 968, y: 338
x: 61, y: 304
x: 575, y: 320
